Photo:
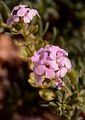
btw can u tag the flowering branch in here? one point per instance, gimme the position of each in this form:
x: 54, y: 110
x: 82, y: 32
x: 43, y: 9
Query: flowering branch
x: 48, y: 64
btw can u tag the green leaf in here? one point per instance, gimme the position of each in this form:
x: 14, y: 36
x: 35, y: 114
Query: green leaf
x: 32, y: 80
x: 47, y: 94
x: 18, y: 27
x: 23, y: 53
x: 73, y: 76
x: 33, y: 29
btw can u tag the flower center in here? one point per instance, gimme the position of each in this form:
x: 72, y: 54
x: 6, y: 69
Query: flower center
x: 47, y: 66
x: 15, y: 12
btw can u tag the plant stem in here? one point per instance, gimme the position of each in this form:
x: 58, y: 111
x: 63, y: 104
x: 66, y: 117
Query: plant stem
x: 25, y: 37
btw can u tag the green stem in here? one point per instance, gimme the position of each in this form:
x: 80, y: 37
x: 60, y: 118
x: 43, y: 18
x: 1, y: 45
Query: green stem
x: 25, y: 37
x: 68, y: 90
x: 24, y: 31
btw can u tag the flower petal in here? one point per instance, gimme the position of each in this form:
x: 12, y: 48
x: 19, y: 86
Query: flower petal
x: 26, y: 19
x: 34, y: 12
x: 35, y: 58
x: 50, y: 73
x: 60, y: 61
x: 53, y: 50
x: 40, y: 69
x: 29, y: 15
x: 21, y: 12
x: 58, y: 74
x: 22, y: 6
x: 63, y: 71
x: 53, y: 64
x: 38, y: 79
x: 59, y: 83
x: 64, y: 52
x: 43, y: 57
x: 10, y: 21
x: 16, y: 18
x: 67, y: 63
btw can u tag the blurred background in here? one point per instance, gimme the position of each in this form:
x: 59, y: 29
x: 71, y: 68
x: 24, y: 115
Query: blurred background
x: 62, y: 23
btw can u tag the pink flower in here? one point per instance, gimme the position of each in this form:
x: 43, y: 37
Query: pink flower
x: 22, y: 12
x: 59, y: 84
x: 52, y: 62
x: 46, y: 69
x: 18, y: 7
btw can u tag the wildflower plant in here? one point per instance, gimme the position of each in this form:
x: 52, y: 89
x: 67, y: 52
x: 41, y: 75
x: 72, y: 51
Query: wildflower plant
x: 49, y: 67
x: 65, y: 94
x: 22, y: 13
x: 48, y: 64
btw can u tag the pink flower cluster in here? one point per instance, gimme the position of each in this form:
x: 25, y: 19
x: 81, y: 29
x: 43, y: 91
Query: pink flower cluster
x: 52, y: 62
x: 22, y: 12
